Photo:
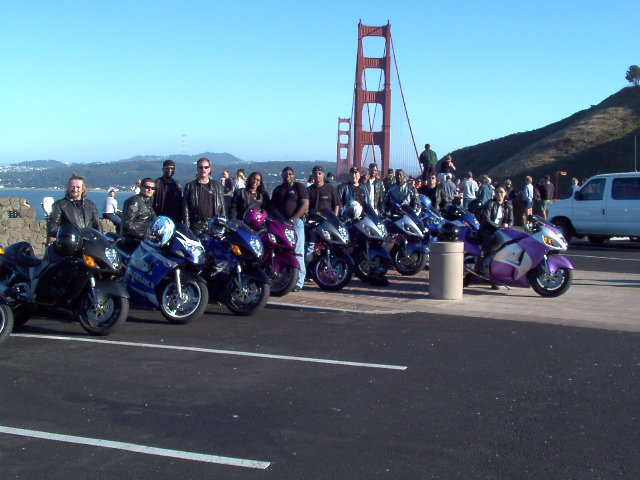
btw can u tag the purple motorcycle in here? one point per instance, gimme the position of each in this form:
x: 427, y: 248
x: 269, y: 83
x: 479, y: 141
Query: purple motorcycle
x: 279, y: 260
x: 520, y: 259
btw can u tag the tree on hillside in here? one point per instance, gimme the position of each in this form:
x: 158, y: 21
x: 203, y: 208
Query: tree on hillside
x: 633, y: 75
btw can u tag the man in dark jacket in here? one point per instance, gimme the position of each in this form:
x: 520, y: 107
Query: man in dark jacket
x: 202, y: 199
x: 353, y: 189
x: 496, y: 213
x: 375, y: 188
x: 428, y: 160
x: 167, y: 199
x: 137, y: 213
x: 74, y: 209
x: 403, y: 193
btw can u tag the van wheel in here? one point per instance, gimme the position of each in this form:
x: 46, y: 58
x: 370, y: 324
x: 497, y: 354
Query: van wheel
x: 598, y: 240
x: 565, y: 228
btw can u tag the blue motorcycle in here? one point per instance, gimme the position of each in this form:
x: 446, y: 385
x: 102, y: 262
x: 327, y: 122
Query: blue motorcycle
x: 368, y: 233
x: 407, y: 240
x: 233, y: 270
x: 164, y: 272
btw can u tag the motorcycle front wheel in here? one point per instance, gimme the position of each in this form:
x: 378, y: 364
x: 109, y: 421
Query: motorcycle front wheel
x: 186, y: 305
x: 331, y: 272
x: 284, y: 281
x: 550, y: 284
x: 409, y: 264
x: 6, y: 322
x: 366, y: 270
x: 102, y: 318
x: 245, y: 295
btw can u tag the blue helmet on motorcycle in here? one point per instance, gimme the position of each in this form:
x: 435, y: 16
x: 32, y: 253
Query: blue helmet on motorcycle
x: 425, y: 201
x: 160, y: 231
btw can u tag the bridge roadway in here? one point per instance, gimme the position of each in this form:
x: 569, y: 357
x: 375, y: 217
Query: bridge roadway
x: 420, y: 389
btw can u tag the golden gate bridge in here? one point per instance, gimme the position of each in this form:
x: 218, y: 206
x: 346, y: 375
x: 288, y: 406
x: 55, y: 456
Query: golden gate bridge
x: 367, y: 136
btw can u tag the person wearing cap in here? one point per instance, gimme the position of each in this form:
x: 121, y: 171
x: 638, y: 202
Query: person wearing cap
x: 428, y: 160
x: 322, y: 195
x: 167, y: 200
x: 402, y: 193
x: 202, y: 199
x: 291, y: 199
x: 469, y: 188
x: 375, y: 188
x: 353, y: 189
x: 485, y: 192
x: 447, y: 165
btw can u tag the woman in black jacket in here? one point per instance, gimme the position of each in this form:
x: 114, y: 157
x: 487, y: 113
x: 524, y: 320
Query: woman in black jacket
x: 252, y: 194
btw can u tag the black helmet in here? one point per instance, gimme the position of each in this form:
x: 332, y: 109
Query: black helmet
x: 451, y: 212
x: 68, y: 240
x: 448, y: 232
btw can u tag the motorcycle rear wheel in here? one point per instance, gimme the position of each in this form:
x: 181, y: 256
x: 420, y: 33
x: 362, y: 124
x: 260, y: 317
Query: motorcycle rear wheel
x: 284, y: 281
x: 6, y: 322
x: 409, y: 264
x: 245, y: 296
x: 185, y: 309
x: 331, y: 273
x: 102, y: 318
x: 550, y: 284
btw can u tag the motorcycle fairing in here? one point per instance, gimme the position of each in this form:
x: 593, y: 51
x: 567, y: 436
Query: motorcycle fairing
x: 555, y: 261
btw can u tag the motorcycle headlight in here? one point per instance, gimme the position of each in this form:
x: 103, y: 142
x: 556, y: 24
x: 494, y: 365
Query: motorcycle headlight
x: 290, y: 233
x: 196, y: 250
x: 327, y: 235
x: 382, y: 228
x: 343, y: 233
x: 551, y: 242
x: 113, y: 256
x: 256, y: 245
x: 272, y: 238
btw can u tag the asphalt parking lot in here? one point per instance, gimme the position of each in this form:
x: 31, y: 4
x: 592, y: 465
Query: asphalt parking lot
x: 289, y: 395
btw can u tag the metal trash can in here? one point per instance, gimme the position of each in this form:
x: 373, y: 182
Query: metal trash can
x: 446, y: 270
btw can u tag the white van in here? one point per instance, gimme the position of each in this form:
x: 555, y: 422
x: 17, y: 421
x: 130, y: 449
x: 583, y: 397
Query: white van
x: 606, y: 206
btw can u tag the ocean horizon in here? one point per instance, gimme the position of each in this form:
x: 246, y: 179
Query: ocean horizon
x: 35, y: 195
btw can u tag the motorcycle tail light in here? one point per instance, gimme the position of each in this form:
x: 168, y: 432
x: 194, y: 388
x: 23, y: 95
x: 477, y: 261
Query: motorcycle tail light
x: 89, y: 261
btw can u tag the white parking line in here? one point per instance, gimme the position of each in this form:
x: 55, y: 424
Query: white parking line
x: 132, y: 447
x: 210, y: 350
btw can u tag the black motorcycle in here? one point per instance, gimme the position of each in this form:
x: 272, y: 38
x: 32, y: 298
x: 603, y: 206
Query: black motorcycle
x: 6, y: 320
x: 76, y: 278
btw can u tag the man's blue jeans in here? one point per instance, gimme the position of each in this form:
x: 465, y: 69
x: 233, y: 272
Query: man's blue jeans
x: 298, y: 225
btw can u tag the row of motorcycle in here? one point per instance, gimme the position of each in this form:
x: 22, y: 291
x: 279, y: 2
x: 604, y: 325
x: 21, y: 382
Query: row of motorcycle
x: 92, y: 278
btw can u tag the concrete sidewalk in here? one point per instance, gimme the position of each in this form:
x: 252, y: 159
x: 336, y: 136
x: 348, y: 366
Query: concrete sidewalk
x: 603, y: 300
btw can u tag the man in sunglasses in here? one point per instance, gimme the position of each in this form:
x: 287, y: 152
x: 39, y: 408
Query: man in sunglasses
x: 167, y: 199
x: 202, y: 199
x: 137, y: 214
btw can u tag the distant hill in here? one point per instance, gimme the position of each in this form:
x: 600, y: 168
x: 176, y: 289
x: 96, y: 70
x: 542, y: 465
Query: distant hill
x: 123, y: 173
x: 599, y: 139
x: 41, y: 164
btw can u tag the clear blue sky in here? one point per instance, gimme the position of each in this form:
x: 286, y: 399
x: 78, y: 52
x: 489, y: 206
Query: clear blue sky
x: 102, y: 81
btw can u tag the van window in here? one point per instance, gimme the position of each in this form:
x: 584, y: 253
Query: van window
x: 626, y: 188
x: 592, y: 190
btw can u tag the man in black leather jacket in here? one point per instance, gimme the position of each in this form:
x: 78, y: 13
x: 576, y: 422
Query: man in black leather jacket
x: 74, y: 209
x: 202, y: 199
x: 137, y: 212
x: 496, y: 213
x: 167, y: 199
x: 375, y: 187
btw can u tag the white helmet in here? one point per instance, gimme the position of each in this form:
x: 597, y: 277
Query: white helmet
x: 353, y: 210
